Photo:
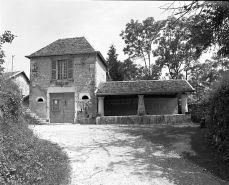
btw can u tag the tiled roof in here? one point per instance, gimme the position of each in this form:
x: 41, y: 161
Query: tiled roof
x: 8, y: 75
x: 144, y: 86
x: 65, y: 46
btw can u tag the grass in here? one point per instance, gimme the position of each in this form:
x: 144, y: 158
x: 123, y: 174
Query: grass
x: 26, y: 159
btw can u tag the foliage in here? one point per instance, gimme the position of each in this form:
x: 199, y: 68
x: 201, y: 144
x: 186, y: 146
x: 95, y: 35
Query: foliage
x: 130, y: 71
x: 10, y: 100
x: 204, y: 77
x: 220, y: 108
x: 199, y: 110
x: 211, y: 26
x: 30, y: 120
x: 139, y: 38
x: 175, y: 51
x: 25, y: 159
x: 7, y: 37
x: 114, y: 66
x: 219, y: 115
x: 155, y: 73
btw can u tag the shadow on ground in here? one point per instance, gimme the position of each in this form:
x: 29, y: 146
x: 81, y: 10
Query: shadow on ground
x: 207, y: 156
x: 177, y: 153
x: 189, y: 141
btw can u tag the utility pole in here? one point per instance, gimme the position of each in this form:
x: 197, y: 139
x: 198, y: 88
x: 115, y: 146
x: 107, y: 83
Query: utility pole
x: 13, y: 63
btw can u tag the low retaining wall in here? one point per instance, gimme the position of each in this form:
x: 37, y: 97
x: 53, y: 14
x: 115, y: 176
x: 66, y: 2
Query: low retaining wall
x: 144, y: 120
x: 86, y: 121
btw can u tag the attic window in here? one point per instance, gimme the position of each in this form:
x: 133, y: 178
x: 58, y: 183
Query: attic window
x: 85, y: 97
x: 40, y: 100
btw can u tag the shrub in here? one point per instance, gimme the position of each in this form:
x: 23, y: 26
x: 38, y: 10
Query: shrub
x: 220, y: 110
x: 199, y: 110
x: 24, y: 158
x: 219, y: 115
x: 30, y: 120
x: 10, y: 101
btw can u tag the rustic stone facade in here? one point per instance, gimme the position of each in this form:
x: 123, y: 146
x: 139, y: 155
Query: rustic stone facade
x: 88, y: 71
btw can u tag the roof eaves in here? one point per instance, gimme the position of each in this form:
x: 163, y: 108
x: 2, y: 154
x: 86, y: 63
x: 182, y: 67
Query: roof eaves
x: 77, y: 53
x: 20, y: 72
x: 101, y: 56
x: 139, y: 93
x: 15, y: 74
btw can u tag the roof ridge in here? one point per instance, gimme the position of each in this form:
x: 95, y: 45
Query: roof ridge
x: 72, y: 38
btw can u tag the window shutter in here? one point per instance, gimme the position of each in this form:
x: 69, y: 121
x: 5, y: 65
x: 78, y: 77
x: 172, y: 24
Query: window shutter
x: 70, y: 68
x: 53, y: 70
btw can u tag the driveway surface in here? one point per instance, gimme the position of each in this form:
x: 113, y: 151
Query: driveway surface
x: 118, y: 155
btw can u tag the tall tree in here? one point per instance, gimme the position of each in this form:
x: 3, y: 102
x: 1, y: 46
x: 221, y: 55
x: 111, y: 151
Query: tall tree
x: 6, y: 37
x: 114, y: 65
x: 155, y: 73
x: 175, y: 51
x: 211, y: 26
x: 139, y: 38
x: 130, y: 71
x: 202, y: 78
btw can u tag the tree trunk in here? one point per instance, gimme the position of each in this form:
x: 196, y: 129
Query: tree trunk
x: 149, y: 64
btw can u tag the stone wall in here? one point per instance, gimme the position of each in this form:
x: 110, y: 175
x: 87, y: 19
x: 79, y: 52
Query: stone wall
x: 100, y: 72
x: 23, y: 84
x: 149, y: 119
x: 84, y: 81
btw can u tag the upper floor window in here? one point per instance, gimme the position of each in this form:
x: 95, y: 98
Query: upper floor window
x: 62, y: 69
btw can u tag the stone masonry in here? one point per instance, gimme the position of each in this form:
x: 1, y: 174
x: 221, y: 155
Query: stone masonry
x: 85, y: 73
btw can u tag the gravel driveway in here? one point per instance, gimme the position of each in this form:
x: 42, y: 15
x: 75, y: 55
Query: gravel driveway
x: 107, y: 155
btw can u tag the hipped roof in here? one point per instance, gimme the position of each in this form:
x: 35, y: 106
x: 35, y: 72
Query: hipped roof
x: 68, y: 46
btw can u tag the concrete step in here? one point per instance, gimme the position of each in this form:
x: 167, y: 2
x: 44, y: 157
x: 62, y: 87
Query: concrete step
x: 36, y: 117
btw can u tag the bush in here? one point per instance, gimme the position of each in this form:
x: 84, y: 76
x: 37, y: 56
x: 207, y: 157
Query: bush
x: 24, y: 158
x: 10, y: 101
x: 30, y: 120
x: 220, y: 110
x: 199, y: 110
x: 219, y: 115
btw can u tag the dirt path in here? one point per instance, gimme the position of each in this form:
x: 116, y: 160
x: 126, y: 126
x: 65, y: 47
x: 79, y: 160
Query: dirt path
x: 119, y: 155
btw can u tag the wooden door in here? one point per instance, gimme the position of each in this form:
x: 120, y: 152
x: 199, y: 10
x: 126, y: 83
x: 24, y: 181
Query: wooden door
x: 62, y: 108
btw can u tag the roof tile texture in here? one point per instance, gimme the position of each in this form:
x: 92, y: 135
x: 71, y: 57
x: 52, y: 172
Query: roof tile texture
x: 65, y: 46
x: 7, y: 75
x: 144, y: 86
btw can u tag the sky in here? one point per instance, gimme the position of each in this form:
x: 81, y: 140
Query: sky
x: 37, y: 23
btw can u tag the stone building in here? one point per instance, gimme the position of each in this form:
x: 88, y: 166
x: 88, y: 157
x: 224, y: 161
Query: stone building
x: 23, y: 82
x: 68, y: 82
x: 64, y: 76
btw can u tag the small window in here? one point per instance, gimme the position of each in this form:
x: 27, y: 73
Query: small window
x: 40, y: 100
x: 85, y: 97
x: 55, y: 104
